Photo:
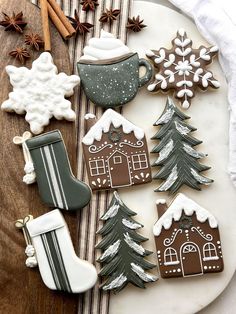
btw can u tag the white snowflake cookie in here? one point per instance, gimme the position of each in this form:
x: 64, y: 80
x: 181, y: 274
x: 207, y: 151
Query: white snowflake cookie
x: 40, y: 93
x: 182, y: 69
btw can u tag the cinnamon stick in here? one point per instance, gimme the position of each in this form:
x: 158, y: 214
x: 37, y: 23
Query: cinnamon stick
x: 60, y: 14
x: 58, y: 23
x: 45, y: 24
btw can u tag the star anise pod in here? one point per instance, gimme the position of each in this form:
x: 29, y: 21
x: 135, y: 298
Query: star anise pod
x: 79, y: 27
x: 21, y: 54
x: 89, y: 5
x: 14, y: 22
x: 135, y: 24
x: 109, y: 16
x: 34, y: 41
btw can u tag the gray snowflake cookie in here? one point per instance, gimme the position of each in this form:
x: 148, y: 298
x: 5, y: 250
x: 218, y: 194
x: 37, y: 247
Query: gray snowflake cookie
x: 182, y: 68
x: 40, y: 93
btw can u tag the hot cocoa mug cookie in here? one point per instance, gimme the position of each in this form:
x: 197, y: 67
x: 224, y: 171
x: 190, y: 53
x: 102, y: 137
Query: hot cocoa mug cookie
x: 110, y: 73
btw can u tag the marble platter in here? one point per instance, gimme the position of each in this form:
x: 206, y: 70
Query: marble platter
x: 209, y: 114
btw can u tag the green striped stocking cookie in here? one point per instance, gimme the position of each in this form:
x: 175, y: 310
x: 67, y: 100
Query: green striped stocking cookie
x: 57, y: 185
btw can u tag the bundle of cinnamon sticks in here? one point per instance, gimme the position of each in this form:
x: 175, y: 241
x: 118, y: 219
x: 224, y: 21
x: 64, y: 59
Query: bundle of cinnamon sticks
x: 50, y: 8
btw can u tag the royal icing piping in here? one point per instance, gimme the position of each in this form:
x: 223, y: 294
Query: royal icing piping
x: 105, y: 47
x: 182, y: 68
x: 103, y: 125
x: 40, y: 93
x: 183, y: 203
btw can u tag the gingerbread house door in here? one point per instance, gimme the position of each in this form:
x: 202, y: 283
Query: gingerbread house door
x: 190, y: 259
x: 118, y: 166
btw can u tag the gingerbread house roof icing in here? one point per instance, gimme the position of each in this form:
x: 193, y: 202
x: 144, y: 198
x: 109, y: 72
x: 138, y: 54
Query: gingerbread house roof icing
x: 103, y: 125
x: 182, y: 203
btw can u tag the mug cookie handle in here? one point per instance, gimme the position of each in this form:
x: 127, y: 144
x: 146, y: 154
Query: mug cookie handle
x: 147, y: 76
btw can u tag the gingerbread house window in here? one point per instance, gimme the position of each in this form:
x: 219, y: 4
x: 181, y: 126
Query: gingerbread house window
x: 170, y: 257
x: 97, y: 167
x: 209, y: 252
x: 117, y: 160
x: 189, y: 249
x: 139, y: 161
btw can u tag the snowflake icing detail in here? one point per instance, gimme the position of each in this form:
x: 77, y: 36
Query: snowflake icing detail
x: 40, y: 93
x: 182, y: 68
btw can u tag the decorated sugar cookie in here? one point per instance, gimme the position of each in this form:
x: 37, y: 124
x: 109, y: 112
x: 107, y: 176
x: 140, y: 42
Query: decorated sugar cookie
x: 115, y: 152
x: 178, y: 159
x: 123, y: 257
x: 187, y: 239
x: 40, y: 93
x: 109, y: 72
x: 49, y: 247
x: 57, y: 185
x: 182, y: 69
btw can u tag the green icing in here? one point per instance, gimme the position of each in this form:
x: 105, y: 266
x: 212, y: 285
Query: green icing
x: 111, y: 84
x: 57, y: 185
x: 177, y: 157
x: 123, y: 257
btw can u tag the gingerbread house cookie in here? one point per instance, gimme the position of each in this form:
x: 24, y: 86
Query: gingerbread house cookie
x: 115, y: 152
x: 187, y: 239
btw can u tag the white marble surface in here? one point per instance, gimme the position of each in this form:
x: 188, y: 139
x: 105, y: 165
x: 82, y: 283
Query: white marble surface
x: 225, y: 303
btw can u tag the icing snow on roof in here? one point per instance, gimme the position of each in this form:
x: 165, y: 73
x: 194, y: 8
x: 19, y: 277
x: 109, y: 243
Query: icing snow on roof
x: 103, y: 125
x: 183, y: 203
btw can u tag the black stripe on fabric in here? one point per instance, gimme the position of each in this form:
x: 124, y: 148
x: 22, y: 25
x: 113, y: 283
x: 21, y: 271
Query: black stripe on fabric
x: 58, y: 177
x: 111, y: 6
x: 128, y: 15
x: 62, y: 263
x: 56, y: 262
x: 119, y: 22
x: 48, y: 178
x: 54, y: 275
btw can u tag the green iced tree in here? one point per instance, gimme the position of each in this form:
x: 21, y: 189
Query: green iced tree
x: 178, y: 160
x: 122, y: 254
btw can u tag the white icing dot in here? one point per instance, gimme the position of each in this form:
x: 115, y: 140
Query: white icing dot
x: 149, y: 53
x: 205, y: 267
x: 174, y: 270
x: 214, y: 267
x: 178, y: 270
x: 209, y: 267
x: 158, y: 252
x: 181, y: 31
x: 185, y: 104
x: 218, y: 242
x: 186, y: 231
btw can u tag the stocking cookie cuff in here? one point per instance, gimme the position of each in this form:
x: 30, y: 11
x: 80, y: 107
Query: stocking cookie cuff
x: 44, y: 139
x: 46, y: 223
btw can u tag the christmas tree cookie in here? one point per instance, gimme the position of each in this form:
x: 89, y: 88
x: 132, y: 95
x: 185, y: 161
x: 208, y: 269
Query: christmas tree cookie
x: 182, y: 69
x: 178, y: 160
x: 123, y: 257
